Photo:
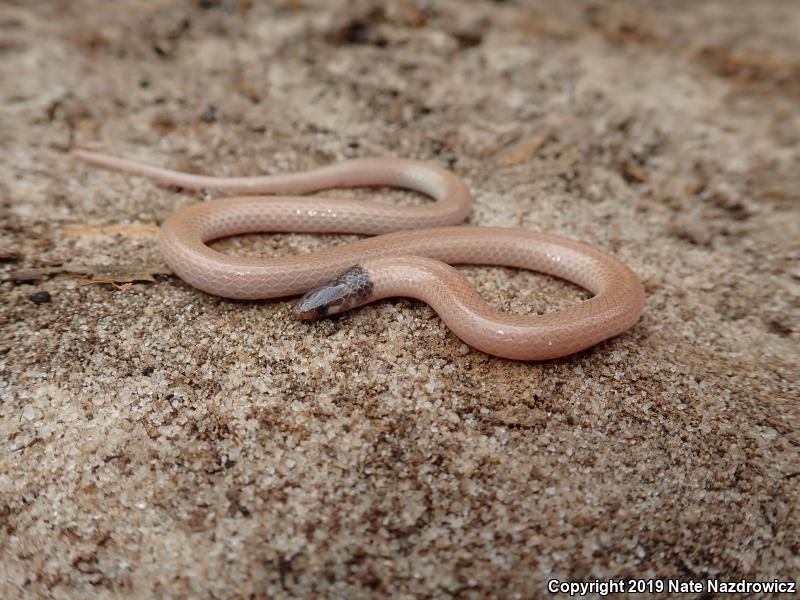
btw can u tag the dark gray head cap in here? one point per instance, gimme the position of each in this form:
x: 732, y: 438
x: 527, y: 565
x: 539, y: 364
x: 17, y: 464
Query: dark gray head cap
x: 351, y: 288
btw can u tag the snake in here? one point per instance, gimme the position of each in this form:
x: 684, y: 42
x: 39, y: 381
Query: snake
x: 410, y: 253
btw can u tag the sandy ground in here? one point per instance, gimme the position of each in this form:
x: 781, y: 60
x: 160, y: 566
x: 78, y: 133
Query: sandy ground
x: 160, y: 442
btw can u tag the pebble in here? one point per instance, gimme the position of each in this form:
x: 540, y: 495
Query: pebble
x: 40, y: 297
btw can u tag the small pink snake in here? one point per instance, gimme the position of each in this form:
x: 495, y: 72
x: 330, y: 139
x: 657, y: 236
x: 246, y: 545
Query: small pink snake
x: 408, y: 256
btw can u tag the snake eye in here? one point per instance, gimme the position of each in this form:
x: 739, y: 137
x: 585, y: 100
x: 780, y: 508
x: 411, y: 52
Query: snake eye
x: 351, y: 288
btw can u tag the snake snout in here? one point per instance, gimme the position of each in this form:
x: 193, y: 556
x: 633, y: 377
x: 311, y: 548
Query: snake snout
x: 350, y: 289
x: 321, y: 302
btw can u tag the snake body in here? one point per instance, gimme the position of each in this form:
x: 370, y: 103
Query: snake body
x: 409, y: 255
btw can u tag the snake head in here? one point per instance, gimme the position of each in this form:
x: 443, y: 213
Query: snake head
x: 351, y: 288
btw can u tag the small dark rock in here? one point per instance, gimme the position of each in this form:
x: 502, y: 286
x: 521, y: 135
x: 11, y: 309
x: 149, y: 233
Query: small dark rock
x: 468, y: 39
x: 209, y: 115
x: 9, y: 255
x: 779, y: 327
x: 162, y: 49
x: 360, y: 29
x: 40, y: 297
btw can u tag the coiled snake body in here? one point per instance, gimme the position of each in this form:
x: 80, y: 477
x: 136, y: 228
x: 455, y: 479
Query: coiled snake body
x: 410, y: 254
